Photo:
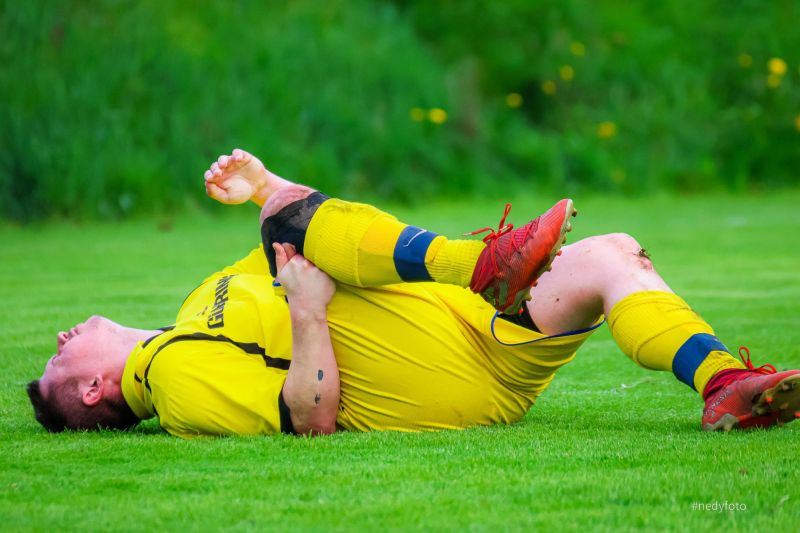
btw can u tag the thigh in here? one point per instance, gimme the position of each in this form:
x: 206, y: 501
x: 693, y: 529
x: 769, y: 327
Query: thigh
x: 406, y: 363
x: 526, y: 361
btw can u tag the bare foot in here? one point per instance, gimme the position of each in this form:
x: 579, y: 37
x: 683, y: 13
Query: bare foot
x: 239, y: 177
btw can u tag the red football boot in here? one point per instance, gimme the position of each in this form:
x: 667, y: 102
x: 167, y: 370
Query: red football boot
x: 752, y: 397
x: 513, y: 260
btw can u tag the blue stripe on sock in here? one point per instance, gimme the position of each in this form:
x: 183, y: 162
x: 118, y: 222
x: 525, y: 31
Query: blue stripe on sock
x: 693, y: 352
x: 409, y: 254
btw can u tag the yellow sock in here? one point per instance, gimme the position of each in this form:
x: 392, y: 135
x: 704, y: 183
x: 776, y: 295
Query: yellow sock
x: 658, y: 330
x: 361, y: 245
x: 453, y: 261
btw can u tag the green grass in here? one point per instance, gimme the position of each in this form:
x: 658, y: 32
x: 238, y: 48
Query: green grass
x: 608, y: 446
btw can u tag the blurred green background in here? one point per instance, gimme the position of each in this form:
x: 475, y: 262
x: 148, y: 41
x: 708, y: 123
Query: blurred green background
x: 116, y: 107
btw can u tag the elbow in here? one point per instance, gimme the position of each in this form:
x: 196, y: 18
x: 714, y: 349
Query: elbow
x: 324, y: 429
x: 314, y: 424
x: 316, y: 429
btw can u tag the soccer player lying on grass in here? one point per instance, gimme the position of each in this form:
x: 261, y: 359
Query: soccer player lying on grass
x: 374, y: 353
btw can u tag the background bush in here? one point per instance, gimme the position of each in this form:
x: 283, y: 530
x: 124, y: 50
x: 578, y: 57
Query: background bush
x: 113, y: 107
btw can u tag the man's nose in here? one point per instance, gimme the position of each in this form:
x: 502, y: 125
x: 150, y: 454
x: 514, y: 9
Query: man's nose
x: 62, y: 338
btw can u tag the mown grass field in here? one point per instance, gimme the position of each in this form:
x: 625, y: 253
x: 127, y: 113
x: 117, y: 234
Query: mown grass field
x: 608, y: 446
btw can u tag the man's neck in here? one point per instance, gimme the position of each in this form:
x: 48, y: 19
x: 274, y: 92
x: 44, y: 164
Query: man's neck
x: 128, y: 339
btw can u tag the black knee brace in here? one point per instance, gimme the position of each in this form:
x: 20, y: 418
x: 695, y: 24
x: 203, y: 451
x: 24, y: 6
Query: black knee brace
x: 289, y: 225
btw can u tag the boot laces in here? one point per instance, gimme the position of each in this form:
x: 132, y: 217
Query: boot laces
x: 763, y: 369
x: 725, y: 377
x: 491, y: 238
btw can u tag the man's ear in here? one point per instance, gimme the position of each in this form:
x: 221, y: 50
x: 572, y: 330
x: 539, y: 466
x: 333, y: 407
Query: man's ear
x: 93, y: 393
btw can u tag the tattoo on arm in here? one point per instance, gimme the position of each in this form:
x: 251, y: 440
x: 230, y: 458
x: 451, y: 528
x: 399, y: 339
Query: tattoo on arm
x: 320, y: 373
x: 317, y: 398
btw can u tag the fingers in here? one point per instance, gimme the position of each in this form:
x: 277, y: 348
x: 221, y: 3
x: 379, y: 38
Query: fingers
x: 216, y: 192
x: 215, y: 170
x: 300, y: 279
x: 284, y: 253
x: 240, y: 155
x: 280, y: 256
x: 227, y: 163
x: 290, y: 250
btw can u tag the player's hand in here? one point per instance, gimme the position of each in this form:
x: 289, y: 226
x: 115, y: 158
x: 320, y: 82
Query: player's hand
x: 236, y: 178
x: 306, y: 286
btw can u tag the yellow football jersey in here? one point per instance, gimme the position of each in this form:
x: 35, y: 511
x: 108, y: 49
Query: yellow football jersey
x: 411, y: 357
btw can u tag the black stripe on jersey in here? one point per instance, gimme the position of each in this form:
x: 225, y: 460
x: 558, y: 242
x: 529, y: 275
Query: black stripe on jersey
x: 162, y: 330
x: 247, y: 347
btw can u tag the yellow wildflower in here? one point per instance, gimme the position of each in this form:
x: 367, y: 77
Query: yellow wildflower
x: 437, y: 115
x: 577, y: 48
x: 417, y: 114
x: 745, y: 60
x: 513, y: 100
x: 773, y: 81
x: 566, y: 72
x: 549, y: 87
x: 797, y: 122
x: 777, y: 66
x: 606, y: 130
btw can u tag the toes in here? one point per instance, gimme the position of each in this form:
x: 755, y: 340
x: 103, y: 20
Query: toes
x: 216, y: 170
x: 208, y: 175
x: 223, y: 161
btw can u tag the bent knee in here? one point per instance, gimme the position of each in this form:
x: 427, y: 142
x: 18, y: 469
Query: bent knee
x: 285, y: 219
x: 613, y: 248
x: 621, y: 242
x: 283, y: 197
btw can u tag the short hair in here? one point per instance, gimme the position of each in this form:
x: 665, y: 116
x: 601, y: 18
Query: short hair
x: 63, y: 409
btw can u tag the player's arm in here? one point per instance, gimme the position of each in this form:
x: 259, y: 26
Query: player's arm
x: 311, y: 390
